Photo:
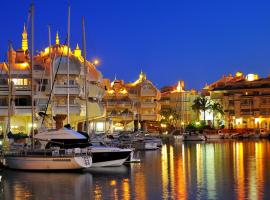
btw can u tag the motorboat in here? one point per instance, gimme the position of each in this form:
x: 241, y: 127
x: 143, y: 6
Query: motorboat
x: 102, y: 155
x: 105, y: 156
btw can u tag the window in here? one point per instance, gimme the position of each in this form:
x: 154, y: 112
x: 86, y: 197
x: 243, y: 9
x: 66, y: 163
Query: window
x: 20, y: 81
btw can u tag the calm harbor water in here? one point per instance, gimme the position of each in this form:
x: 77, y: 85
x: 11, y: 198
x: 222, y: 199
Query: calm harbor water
x: 211, y: 170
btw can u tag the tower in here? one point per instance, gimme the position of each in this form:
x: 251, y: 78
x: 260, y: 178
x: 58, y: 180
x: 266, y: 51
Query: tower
x: 57, y: 41
x: 77, y: 51
x: 24, y: 39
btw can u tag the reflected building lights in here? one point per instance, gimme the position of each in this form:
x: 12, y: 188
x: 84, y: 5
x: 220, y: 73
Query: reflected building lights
x: 239, y: 170
x: 126, y: 189
x: 210, y: 171
x: 164, y: 171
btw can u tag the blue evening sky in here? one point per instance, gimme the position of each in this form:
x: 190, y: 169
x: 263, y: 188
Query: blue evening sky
x: 191, y: 40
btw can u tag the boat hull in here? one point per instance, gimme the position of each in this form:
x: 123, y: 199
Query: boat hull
x: 194, y: 138
x: 109, y: 157
x: 48, y: 163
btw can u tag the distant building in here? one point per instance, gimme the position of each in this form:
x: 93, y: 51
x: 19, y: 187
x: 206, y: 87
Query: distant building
x: 246, y: 100
x: 179, y: 100
x: 44, y: 72
x: 131, y: 106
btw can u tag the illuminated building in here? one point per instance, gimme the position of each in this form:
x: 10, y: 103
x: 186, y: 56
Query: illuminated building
x: 245, y: 99
x: 179, y: 100
x: 131, y: 104
x: 46, y: 65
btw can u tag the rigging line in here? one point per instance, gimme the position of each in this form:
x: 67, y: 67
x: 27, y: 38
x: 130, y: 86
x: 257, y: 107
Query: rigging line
x: 53, y: 83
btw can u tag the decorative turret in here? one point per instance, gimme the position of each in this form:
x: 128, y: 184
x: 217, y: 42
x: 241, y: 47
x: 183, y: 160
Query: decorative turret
x: 142, y: 76
x: 24, y: 39
x: 57, y: 41
x: 77, y: 51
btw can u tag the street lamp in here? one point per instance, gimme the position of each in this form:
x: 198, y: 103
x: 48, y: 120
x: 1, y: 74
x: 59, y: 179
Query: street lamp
x: 96, y: 62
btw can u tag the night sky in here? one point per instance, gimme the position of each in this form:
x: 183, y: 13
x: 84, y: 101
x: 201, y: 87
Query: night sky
x: 196, y: 41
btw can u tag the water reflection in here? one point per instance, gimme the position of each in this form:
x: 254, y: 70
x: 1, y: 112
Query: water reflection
x: 216, y: 170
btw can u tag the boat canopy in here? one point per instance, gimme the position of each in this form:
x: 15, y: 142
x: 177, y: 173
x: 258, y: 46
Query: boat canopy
x: 61, y: 134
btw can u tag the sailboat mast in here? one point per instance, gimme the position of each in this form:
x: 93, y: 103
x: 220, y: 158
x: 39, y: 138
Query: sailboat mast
x: 9, y: 88
x: 68, y: 45
x: 51, y: 70
x: 32, y: 75
x: 85, y: 76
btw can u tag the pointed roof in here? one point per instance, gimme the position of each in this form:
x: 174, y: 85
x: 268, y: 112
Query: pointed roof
x: 57, y: 41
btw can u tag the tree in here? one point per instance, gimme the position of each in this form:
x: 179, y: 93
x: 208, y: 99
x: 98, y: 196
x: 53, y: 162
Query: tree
x: 201, y: 103
x: 216, y: 109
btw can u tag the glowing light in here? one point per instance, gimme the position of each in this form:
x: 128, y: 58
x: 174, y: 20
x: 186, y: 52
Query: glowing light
x: 252, y: 77
x: 96, y: 62
x: 257, y: 120
x: 77, y: 51
x: 30, y: 125
x: 180, y: 86
x: 23, y: 65
x: 57, y: 40
x: 113, y: 183
x: 111, y: 91
x: 197, y: 123
x: 239, y: 74
x: 238, y: 120
x: 163, y: 125
x: 123, y: 91
x: 171, y: 117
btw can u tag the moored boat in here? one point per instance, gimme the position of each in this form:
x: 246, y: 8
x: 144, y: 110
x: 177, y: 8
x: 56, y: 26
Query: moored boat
x: 52, y: 159
x: 193, y: 137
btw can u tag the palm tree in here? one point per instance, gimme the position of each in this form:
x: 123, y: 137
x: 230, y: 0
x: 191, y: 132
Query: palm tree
x: 201, y: 103
x: 216, y: 108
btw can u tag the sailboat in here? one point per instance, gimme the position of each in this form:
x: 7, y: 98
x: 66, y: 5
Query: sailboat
x: 52, y: 158
x: 103, y: 156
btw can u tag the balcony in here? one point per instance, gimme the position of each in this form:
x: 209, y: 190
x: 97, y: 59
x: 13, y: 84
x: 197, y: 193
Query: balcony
x: 148, y: 104
x: 95, y: 91
x: 18, y: 110
x: 122, y: 117
x: 119, y: 104
x: 62, y: 109
x: 63, y: 89
x: 149, y: 117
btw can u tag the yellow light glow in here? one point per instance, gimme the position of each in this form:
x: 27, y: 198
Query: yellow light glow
x: 238, y: 120
x: 239, y: 74
x: 123, y: 91
x: 30, y: 125
x: 163, y: 125
x: 23, y: 65
x: 258, y: 120
x: 96, y: 62
x: 113, y: 182
x: 252, y: 77
x: 170, y: 117
x: 111, y: 91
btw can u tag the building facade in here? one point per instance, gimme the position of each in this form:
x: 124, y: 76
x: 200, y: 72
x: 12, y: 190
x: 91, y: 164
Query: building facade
x: 179, y: 101
x: 66, y: 96
x: 133, y: 105
x: 246, y: 100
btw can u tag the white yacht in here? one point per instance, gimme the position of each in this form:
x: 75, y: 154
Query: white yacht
x: 102, y: 156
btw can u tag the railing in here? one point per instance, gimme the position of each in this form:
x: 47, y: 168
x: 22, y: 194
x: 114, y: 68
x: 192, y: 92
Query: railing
x: 50, y: 153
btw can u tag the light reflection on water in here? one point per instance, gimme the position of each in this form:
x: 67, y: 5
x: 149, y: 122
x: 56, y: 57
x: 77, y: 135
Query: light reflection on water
x: 216, y: 170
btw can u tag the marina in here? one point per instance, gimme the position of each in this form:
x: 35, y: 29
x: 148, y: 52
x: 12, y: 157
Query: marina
x: 74, y: 125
